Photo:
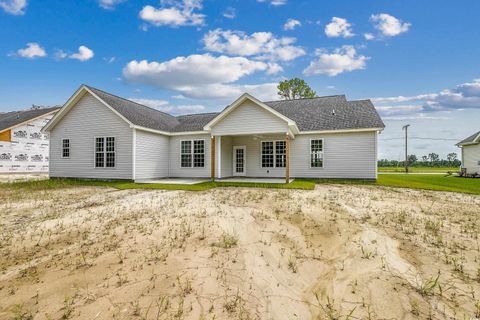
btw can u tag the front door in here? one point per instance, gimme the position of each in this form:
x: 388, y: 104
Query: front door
x: 239, y: 153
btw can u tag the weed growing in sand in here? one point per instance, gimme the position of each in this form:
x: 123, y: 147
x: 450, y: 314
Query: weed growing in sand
x: 427, y: 287
x: 331, y: 312
x: 67, y: 307
x: 228, y: 241
x: 20, y: 313
x: 292, y: 264
x: 185, y: 286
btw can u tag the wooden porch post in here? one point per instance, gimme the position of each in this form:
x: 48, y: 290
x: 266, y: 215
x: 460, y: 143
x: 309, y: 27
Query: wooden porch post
x: 287, y: 158
x: 212, y: 157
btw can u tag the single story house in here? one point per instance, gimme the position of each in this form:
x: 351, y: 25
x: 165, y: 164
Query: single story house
x: 99, y: 135
x: 23, y: 147
x: 471, y: 153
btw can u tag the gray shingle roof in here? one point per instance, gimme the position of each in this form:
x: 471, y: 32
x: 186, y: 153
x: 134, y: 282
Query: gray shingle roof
x: 11, y: 119
x: 470, y: 139
x: 138, y: 114
x: 329, y: 113
x: 194, y: 122
x: 321, y: 113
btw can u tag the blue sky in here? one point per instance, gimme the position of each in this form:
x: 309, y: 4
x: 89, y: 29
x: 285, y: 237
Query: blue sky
x: 417, y: 60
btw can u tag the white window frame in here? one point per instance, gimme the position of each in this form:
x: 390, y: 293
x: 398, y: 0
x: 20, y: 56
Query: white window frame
x: 104, y: 152
x: 274, y: 154
x: 310, y: 153
x: 63, y: 148
x: 192, y: 150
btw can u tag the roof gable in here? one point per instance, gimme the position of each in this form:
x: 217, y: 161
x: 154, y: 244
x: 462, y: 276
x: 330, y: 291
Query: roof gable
x: 237, y: 103
x: 473, y: 139
x: 15, y: 118
x: 131, y: 112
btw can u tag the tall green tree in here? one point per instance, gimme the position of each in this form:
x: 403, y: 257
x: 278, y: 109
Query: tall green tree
x: 294, y: 89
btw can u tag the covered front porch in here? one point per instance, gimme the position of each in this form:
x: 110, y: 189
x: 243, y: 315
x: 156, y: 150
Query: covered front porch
x: 258, y: 158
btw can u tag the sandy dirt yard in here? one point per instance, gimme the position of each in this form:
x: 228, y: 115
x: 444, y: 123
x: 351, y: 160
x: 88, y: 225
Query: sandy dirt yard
x: 337, y: 252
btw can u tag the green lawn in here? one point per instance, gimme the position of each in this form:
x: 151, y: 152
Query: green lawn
x: 62, y: 183
x: 435, y: 182
x: 419, y: 169
x: 413, y: 181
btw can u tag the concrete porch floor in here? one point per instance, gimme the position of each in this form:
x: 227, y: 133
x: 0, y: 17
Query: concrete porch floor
x: 173, y: 181
x: 254, y: 180
x: 190, y: 181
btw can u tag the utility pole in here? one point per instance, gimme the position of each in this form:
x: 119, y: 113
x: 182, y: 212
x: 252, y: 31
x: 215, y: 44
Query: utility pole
x: 405, y: 127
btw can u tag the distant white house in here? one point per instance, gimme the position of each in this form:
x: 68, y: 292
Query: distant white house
x: 99, y: 135
x: 23, y: 147
x: 471, y: 153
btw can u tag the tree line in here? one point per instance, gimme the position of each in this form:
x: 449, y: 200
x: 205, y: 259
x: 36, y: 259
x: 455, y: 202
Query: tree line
x: 430, y: 160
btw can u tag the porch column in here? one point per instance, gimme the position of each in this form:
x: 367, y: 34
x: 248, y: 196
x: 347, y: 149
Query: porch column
x: 287, y: 158
x: 212, y: 157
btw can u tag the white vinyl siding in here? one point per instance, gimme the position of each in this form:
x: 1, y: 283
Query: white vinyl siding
x: 89, y: 119
x: 151, y: 156
x: 176, y: 171
x: 249, y: 118
x: 345, y: 155
x: 471, y: 158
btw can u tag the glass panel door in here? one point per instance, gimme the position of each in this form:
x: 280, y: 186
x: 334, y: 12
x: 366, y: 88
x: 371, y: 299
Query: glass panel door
x: 239, y: 161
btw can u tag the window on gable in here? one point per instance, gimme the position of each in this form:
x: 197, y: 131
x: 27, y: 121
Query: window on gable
x: 192, y: 153
x: 105, y: 152
x: 66, y: 148
x: 316, y: 153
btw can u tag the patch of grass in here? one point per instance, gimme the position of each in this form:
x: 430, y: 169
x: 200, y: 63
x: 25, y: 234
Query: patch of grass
x: 51, y: 184
x: 416, y: 181
x: 413, y: 181
x: 430, y: 182
x: 419, y: 169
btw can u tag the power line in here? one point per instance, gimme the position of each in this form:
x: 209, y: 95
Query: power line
x: 422, y: 138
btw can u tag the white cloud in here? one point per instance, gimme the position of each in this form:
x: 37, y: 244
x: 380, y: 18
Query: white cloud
x: 229, y: 92
x: 84, y: 53
x: 368, y: 36
x: 339, y: 27
x: 15, y: 7
x: 152, y: 103
x: 186, y: 109
x: 275, y: 2
x: 291, y: 24
x: 344, y: 59
x: 388, y: 25
x: 110, y: 59
x: 109, y: 4
x: 60, y: 54
x: 174, y: 13
x: 463, y: 96
x: 195, y: 75
x: 261, y: 45
x: 32, y: 51
x: 230, y: 13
